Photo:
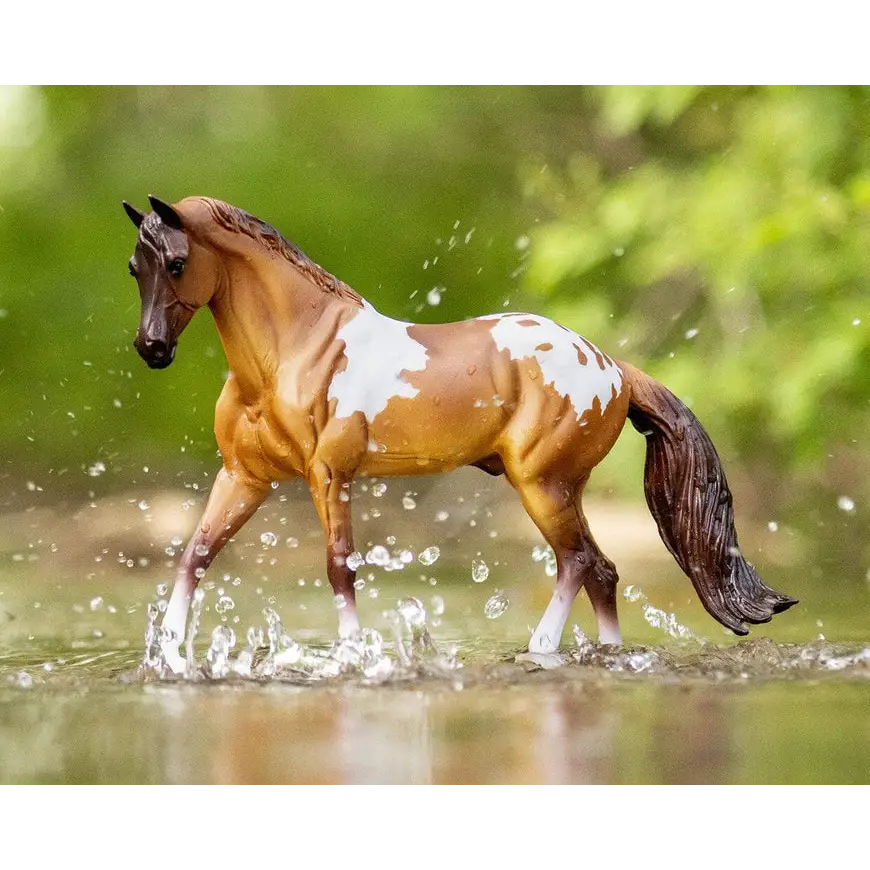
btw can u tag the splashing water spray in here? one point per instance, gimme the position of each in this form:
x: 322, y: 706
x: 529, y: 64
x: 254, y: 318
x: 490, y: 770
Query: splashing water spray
x: 657, y: 618
x: 363, y: 653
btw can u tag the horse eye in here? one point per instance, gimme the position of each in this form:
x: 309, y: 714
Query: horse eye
x: 132, y: 268
x: 176, y: 267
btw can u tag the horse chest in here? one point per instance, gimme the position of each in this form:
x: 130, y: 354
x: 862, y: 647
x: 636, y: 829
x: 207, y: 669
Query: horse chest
x: 270, y: 445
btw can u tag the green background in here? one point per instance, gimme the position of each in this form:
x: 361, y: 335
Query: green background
x: 717, y: 237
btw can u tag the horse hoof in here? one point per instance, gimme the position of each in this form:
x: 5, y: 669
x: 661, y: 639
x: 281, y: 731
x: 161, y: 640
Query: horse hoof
x: 176, y: 664
x: 546, y: 661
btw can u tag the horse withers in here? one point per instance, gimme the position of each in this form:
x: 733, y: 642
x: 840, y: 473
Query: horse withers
x: 323, y: 386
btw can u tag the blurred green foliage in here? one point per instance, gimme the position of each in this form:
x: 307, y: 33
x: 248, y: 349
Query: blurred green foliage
x: 717, y: 237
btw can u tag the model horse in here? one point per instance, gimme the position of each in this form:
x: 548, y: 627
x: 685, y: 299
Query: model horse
x: 323, y: 386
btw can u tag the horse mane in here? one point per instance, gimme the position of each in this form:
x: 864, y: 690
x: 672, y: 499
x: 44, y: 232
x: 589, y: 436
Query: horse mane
x: 237, y: 220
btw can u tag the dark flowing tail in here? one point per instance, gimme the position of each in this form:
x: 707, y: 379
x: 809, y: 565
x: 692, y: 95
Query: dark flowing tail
x: 689, y: 498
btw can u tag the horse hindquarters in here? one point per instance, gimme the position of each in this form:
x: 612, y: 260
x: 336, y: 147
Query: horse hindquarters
x: 548, y: 456
x: 689, y: 498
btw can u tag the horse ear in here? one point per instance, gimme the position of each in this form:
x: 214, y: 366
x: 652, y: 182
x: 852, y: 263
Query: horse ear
x: 135, y: 215
x: 165, y: 212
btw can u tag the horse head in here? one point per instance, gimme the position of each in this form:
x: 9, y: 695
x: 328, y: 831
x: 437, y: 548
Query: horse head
x: 176, y: 275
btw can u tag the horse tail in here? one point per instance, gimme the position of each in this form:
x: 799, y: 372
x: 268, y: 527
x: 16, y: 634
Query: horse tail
x: 688, y: 496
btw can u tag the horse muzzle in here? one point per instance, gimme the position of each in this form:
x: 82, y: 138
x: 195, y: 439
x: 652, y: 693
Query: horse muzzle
x: 157, y: 354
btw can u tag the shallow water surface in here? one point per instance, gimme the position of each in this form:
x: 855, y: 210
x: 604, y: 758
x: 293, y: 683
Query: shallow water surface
x: 451, y: 704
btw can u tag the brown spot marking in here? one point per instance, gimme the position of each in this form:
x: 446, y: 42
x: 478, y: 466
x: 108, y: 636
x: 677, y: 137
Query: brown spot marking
x: 594, y: 350
x: 528, y: 322
x: 580, y: 355
x: 545, y: 346
x: 471, y: 370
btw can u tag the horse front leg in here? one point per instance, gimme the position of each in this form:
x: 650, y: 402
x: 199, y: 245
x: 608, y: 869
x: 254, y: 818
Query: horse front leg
x: 231, y: 503
x: 331, y: 494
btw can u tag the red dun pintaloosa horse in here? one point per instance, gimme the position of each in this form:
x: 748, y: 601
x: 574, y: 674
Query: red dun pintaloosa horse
x: 323, y: 386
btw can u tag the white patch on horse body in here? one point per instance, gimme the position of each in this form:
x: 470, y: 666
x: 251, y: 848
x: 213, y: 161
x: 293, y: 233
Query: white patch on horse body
x: 553, y: 347
x: 378, y: 349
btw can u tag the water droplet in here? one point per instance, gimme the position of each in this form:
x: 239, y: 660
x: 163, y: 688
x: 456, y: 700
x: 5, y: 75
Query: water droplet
x: 521, y: 243
x: 378, y: 555
x: 96, y: 603
x: 23, y: 680
x: 632, y: 593
x: 162, y: 588
x: 224, y: 604
x: 379, y: 489
x: 199, y: 573
x: 96, y: 469
x: 772, y: 526
x: 175, y: 540
x: 292, y: 542
x: 269, y: 539
x: 344, y: 495
x: 844, y: 503
x: 479, y: 570
x: 429, y: 556
x: 441, y: 516
x: 437, y: 605
x: 355, y: 560
x: 143, y: 505
x: 496, y: 605
x: 412, y: 611
x: 691, y: 333
x: 547, y: 556
x: 408, y: 503
x: 275, y: 484
x: 201, y: 550
x: 433, y: 297
x: 340, y: 602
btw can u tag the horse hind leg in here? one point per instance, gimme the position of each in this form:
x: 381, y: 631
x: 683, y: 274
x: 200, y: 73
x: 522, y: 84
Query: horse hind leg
x: 579, y: 562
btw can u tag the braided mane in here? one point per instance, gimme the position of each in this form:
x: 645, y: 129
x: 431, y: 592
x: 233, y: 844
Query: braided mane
x: 237, y: 220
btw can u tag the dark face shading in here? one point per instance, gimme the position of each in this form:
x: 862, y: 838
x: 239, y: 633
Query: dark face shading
x: 159, y: 265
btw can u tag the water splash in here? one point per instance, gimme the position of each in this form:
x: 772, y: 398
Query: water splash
x: 416, y: 651
x: 616, y: 660
x: 657, y: 618
x: 190, y: 670
x: 244, y: 664
x: 158, y: 641
x: 217, y: 659
x: 364, y: 652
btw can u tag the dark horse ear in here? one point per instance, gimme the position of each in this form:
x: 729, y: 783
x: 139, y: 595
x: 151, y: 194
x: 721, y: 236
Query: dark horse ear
x: 135, y: 215
x: 165, y: 212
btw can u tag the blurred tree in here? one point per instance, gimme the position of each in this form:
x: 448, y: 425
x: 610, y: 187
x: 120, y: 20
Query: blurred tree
x: 719, y: 236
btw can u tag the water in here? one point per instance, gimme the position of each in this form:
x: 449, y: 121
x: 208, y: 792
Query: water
x: 435, y: 691
x: 432, y: 690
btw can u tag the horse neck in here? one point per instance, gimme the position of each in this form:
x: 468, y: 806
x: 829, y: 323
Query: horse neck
x: 264, y: 310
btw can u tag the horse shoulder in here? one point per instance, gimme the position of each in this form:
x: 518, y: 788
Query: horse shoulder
x: 229, y: 410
